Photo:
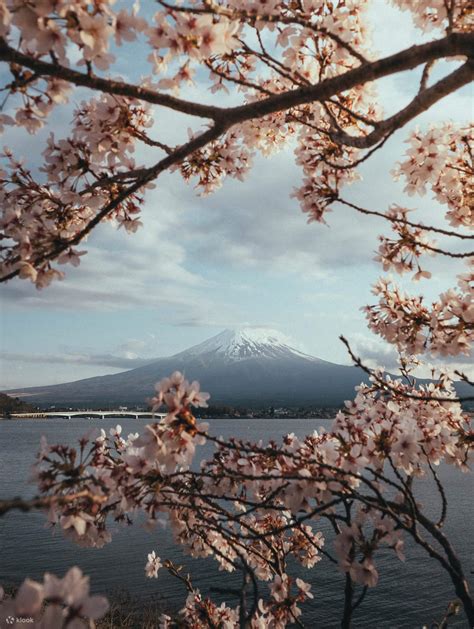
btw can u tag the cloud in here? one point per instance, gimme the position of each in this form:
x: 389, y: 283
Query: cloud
x: 374, y: 351
x: 103, y: 360
x: 132, y: 353
x: 257, y: 225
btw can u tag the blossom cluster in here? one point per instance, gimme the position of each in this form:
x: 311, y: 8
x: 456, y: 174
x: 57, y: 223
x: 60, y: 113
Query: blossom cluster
x: 38, y: 215
x: 441, y: 158
x: 311, y: 40
x: 278, y: 611
x: 438, y: 14
x: 227, y: 157
x: 328, y: 163
x: 325, y: 167
x: 58, y: 30
x: 59, y: 603
x: 49, y: 28
x: 445, y: 328
x: 402, y: 253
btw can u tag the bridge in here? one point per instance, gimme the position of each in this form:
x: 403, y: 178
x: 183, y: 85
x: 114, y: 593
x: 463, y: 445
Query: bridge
x: 87, y: 414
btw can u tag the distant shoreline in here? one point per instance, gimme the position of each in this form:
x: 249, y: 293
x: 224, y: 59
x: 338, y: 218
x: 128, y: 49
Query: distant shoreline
x: 42, y: 417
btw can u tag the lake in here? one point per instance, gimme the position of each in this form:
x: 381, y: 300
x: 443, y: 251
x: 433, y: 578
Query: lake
x: 408, y: 596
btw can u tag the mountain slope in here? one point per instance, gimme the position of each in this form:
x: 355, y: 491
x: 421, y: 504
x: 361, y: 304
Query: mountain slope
x: 249, y: 367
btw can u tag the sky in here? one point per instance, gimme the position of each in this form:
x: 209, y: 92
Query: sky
x: 243, y: 256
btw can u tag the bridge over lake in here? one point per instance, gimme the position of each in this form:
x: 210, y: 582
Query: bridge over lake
x: 87, y: 414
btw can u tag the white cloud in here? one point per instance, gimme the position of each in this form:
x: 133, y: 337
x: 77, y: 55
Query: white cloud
x: 121, y: 363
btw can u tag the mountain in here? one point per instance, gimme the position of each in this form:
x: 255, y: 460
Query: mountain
x: 251, y: 367
x: 246, y: 367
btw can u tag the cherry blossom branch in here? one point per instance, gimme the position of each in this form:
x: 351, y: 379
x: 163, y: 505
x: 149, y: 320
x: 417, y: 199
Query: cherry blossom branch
x: 33, y: 263
x: 360, y: 599
x: 442, y: 493
x: 357, y: 116
x: 384, y: 385
x: 393, y: 219
x: 422, y: 101
x: 186, y: 580
x: 237, y: 81
x: 455, y: 568
x: 274, y: 64
x: 259, y: 536
x: 357, y: 162
x: 156, y: 143
x: 450, y: 562
x: 450, y: 254
x: 252, y: 18
x: 348, y: 584
x: 406, y: 60
x: 109, y: 86
x: 146, y: 176
x: 21, y: 504
x: 464, y: 378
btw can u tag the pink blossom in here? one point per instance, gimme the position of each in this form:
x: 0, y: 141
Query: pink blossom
x: 153, y: 565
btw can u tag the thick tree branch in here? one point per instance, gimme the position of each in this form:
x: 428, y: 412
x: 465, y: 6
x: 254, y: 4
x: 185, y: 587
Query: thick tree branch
x: 456, y: 44
x: 453, y: 45
x: 109, y: 86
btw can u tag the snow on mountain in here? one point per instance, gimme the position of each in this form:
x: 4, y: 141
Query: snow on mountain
x: 244, y: 343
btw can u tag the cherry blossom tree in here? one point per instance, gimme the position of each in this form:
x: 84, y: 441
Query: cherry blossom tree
x: 305, y: 77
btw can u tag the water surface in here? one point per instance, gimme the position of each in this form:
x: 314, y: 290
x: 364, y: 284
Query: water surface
x: 408, y: 596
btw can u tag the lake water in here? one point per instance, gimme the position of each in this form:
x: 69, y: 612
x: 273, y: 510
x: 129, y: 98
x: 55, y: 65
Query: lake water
x: 408, y: 596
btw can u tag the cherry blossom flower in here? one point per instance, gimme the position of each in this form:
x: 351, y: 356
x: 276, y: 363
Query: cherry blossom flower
x: 153, y: 565
x: 280, y: 588
x: 364, y: 573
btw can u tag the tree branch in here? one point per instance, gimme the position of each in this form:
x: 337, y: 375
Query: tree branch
x: 393, y: 219
x: 391, y: 389
x: 109, y: 86
x: 422, y: 101
x: 452, y: 45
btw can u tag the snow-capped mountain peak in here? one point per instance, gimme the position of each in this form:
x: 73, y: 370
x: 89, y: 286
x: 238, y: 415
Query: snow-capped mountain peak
x: 244, y: 343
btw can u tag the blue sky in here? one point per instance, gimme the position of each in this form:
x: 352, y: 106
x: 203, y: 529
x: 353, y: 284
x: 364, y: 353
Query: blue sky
x: 243, y: 256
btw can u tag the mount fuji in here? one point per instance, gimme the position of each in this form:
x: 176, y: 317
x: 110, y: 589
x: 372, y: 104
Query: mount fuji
x: 251, y: 367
